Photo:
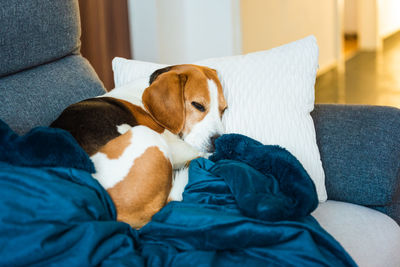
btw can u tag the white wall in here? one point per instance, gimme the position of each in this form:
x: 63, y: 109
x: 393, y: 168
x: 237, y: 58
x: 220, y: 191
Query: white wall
x: 269, y: 23
x: 376, y: 19
x: 179, y: 31
x: 389, y: 17
x: 350, y: 17
x: 144, y: 29
x: 182, y: 31
x: 368, y: 25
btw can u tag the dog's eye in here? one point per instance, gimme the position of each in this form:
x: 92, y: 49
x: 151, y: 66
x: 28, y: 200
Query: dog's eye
x: 198, y: 106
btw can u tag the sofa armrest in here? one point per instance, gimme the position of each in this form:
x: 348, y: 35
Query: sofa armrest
x: 360, y: 153
x: 37, y: 96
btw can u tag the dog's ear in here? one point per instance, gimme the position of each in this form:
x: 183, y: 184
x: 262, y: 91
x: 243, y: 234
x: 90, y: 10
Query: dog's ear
x: 157, y: 73
x: 164, y: 99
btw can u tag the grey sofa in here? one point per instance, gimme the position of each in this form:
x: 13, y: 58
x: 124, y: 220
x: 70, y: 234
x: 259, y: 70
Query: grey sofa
x: 42, y: 72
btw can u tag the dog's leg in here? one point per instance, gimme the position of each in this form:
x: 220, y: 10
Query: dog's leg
x: 181, y: 152
x: 180, y: 180
x: 136, y: 171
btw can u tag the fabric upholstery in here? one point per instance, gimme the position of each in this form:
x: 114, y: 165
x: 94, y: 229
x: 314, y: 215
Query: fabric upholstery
x: 370, y: 237
x: 35, y: 97
x: 36, y: 31
x: 360, y: 152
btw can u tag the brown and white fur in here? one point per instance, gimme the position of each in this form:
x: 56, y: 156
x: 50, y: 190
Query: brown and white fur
x: 136, y: 141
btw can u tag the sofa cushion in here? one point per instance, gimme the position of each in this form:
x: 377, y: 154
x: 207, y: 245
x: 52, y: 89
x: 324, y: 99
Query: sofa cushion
x: 37, y: 96
x: 360, y: 152
x: 370, y: 237
x: 34, y: 32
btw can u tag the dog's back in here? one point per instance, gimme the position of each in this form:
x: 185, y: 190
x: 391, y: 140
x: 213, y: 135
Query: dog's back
x: 93, y: 122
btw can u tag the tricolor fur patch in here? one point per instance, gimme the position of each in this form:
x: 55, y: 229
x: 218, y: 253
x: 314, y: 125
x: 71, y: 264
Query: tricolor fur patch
x: 136, y: 137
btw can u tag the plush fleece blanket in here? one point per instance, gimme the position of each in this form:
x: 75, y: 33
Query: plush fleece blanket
x: 248, y: 205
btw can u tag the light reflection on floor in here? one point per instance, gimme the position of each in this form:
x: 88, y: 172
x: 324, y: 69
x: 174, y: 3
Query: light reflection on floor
x: 371, y: 78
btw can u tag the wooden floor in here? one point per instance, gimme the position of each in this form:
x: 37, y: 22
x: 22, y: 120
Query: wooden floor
x: 371, y: 78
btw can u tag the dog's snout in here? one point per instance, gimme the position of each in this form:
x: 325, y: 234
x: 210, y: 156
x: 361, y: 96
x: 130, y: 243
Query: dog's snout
x: 213, y: 138
x: 212, y: 141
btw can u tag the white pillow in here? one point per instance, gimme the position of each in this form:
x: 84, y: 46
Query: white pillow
x: 270, y: 95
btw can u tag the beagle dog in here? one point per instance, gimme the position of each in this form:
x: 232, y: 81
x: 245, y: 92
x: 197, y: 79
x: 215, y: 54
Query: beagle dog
x: 136, y: 139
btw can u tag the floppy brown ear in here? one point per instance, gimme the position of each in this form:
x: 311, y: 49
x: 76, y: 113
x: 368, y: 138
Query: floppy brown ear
x: 164, y: 100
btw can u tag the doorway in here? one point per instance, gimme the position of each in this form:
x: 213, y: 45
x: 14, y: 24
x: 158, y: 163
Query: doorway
x: 350, y: 28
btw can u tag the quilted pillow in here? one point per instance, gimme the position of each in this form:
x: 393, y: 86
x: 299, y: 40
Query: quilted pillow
x: 270, y: 95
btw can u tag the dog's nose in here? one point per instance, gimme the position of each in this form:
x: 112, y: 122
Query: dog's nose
x: 212, y: 141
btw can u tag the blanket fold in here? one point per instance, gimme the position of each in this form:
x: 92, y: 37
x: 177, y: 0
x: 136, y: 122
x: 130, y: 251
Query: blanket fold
x: 268, y: 182
x: 248, y: 205
x: 42, y: 146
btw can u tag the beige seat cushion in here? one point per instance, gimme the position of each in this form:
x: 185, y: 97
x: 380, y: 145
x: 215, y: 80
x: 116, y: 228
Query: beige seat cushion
x: 370, y: 237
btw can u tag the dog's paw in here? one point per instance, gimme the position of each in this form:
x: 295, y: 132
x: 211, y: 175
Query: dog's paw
x: 187, y: 164
x: 205, y: 155
x: 181, y: 178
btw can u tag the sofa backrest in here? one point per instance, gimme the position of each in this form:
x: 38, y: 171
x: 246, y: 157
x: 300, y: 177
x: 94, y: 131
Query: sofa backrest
x: 35, y: 32
x: 41, y: 70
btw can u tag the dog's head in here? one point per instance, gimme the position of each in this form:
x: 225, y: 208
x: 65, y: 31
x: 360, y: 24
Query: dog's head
x: 188, y: 101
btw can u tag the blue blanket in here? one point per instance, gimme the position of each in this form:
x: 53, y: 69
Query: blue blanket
x: 248, y: 205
